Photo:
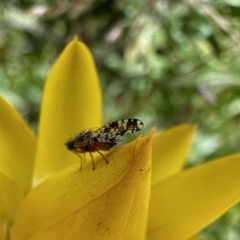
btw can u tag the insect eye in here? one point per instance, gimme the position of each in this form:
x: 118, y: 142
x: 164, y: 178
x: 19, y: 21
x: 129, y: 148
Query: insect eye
x: 70, y: 145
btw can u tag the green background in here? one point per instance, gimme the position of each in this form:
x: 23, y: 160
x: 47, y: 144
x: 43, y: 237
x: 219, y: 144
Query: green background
x: 164, y: 62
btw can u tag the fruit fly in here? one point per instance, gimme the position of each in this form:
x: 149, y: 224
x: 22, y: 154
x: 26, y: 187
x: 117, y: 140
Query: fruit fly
x: 103, y: 138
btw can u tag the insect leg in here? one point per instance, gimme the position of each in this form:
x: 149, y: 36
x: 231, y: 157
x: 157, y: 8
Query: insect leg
x: 92, y: 160
x: 102, y: 156
x: 80, y: 160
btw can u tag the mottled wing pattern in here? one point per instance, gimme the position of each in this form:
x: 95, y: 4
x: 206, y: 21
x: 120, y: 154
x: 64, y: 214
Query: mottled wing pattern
x: 122, y: 127
x: 111, y: 133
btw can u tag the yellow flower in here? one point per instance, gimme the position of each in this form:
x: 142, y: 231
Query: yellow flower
x: 141, y: 194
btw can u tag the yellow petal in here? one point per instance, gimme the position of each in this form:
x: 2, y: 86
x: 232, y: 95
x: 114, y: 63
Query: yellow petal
x: 10, y: 198
x: 170, y: 150
x: 18, y: 146
x: 71, y: 103
x: 186, y: 203
x: 109, y: 202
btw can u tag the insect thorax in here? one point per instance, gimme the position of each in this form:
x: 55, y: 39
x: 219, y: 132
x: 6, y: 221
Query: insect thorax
x: 80, y: 142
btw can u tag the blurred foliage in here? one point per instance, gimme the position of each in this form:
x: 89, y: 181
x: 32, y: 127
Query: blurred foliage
x: 165, y: 62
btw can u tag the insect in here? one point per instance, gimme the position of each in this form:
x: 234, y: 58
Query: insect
x: 103, y: 138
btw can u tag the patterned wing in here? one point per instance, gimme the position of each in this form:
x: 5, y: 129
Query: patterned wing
x: 122, y: 127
